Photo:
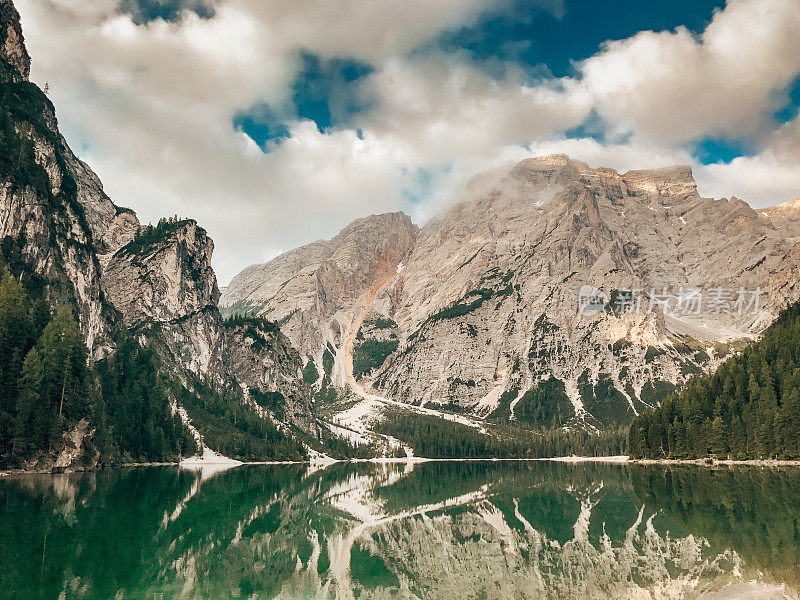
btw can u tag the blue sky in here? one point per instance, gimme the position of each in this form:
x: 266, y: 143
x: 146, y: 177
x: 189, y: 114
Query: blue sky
x: 557, y: 36
x: 537, y: 41
x: 276, y: 123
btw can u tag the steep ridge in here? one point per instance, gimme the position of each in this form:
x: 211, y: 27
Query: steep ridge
x: 315, y: 291
x: 483, y: 312
x: 164, y: 280
x: 120, y: 278
x: 53, y: 210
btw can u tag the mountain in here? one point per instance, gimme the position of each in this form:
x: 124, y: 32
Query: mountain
x: 749, y: 408
x: 123, y: 281
x: 316, y: 291
x: 478, y: 312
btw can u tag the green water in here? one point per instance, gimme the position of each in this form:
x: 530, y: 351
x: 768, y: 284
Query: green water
x: 476, y: 530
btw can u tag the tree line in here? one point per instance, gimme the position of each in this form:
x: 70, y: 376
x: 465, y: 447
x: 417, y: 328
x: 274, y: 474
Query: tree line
x: 434, y: 437
x: 48, y: 385
x: 748, y: 409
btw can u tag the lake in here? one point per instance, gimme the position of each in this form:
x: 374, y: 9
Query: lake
x: 436, y: 530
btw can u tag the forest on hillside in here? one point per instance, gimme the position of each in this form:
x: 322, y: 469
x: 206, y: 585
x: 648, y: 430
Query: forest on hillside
x: 48, y: 386
x: 748, y: 409
x: 49, y: 389
x: 434, y: 437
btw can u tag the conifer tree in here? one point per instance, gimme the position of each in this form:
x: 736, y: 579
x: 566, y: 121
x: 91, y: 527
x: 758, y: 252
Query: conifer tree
x: 750, y: 408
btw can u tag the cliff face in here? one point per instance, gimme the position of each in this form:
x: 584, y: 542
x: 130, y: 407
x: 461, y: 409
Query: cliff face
x: 95, y: 257
x: 52, y: 208
x: 271, y: 370
x: 163, y: 280
x: 314, y: 291
x: 485, y: 306
x: 16, y: 63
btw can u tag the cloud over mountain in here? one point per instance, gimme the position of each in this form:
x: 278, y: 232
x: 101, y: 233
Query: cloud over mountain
x: 165, y: 100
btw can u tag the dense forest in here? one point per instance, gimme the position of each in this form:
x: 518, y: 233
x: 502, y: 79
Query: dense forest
x: 48, y: 386
x: 231, y: 427
x: 748, y: 409
x: 433, y: 437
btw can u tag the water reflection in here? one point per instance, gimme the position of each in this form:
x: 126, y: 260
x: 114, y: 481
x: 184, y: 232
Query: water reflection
x: 428, y: 531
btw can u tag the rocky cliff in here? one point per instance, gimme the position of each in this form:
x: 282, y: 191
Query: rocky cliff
x: 155, y: 282
x: 162, y: 281
x: 485, y: 307
x: 270, y: 369
x: 53, y: 211
x: 315, y: 291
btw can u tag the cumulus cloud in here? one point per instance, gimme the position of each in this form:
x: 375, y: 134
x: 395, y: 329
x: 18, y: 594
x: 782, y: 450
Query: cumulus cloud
x: 675, y: 86
x: 770, y: 177
x: 151, y: 105
x: 444, y: 109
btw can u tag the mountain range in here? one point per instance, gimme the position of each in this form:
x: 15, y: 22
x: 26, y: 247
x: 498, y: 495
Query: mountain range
x: 549, y: 295
x: 479, y: 310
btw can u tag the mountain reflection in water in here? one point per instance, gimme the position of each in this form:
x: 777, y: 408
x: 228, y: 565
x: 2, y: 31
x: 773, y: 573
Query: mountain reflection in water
x: 437, y: 530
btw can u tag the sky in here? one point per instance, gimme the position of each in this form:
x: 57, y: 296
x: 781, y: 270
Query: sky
x: 276, y: 123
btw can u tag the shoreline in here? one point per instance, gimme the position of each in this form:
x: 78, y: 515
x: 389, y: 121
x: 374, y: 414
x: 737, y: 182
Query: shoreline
x: 192, y: 463
x: 705, y: 462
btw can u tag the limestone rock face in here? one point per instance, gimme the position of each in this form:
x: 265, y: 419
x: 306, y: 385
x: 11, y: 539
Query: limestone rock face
x: 47, y: 210
x: 308, y: 290
x: 784, y: 212
x: 165, y: 281
x: 173, y: 274
x: 517, y: 256
x: 16, y: 63
x: 485, y: 305
x: 265, y: 362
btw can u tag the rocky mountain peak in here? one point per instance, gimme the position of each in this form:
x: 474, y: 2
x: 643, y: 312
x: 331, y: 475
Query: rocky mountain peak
x: 676, y: 182
x: 16, y: 62
x: 306, y: 289
x: 548, y: 170
x: 786, y: 211
x: 479, y: 306
x: 374, y: 224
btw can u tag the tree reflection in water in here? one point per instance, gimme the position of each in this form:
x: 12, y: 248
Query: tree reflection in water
x: 431, y: 530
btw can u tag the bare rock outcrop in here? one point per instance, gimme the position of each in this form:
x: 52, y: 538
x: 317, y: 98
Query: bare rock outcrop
x: 271, y: 370
x: 312, y: 290
x: 16, y: 63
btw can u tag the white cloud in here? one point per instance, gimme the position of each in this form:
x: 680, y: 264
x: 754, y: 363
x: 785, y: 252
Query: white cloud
x: 445, y: 109
x: 150, y: 107
x: 369, y: 31
x: 768, y: 178
x: 673, y: 86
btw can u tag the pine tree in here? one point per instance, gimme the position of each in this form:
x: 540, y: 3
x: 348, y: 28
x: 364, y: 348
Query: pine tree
x: 750, y: 408
x: 27, y: 401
